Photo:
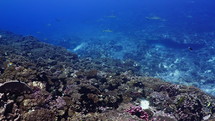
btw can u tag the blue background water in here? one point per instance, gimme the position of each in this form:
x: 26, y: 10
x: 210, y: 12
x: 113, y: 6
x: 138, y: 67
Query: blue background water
x: 171, y: 39
x: 51, y: 18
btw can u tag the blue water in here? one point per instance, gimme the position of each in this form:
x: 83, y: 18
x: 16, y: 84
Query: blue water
x: 172, y: 39
x: 50, y: 19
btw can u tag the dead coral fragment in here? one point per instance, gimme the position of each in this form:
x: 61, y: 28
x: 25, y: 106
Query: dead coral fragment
x: 16, y: 87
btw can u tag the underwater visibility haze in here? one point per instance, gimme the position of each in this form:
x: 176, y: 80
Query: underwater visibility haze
x: 170, y: 40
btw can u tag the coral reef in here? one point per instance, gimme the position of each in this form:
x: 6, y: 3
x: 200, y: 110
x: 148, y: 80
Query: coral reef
x: 42, y: 82
x: 139, y: 112
x: 173, y: 55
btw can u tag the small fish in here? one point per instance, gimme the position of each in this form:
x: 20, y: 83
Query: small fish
x: 111, y: 16
x: 9, y: 64
x: 79, y: 47
x: 209, y: 104
x: 107, y: 30
x: 190, y: 48
x: 155, y: 18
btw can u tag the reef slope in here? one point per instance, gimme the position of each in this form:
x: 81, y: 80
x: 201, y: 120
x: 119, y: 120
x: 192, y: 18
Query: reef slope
x: 42, y: 82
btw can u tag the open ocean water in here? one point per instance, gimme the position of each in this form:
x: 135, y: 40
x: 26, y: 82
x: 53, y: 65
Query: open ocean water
x: 171, y: 39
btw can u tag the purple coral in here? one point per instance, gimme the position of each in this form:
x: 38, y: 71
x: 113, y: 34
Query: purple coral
x: 139, y: 112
